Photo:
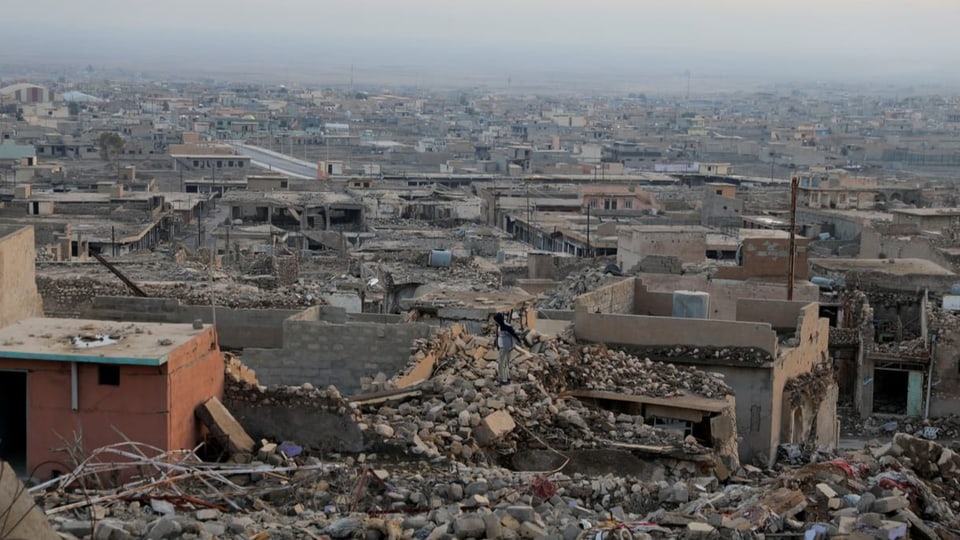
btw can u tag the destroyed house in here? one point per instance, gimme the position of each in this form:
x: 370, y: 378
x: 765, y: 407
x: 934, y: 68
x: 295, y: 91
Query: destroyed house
x: 894, y: 345
x: 113, y: 223
x: 296, y: 211
x: 778, y: 368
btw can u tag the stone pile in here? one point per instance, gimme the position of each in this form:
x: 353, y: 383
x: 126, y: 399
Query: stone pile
x: 461, y: 396
x: 69, y: 295
x: 598, y: 368
x: 844, y: 337
x: 726, y: 355
x: 566, y: 292
x: 867, y: 494
x: 941, y: 428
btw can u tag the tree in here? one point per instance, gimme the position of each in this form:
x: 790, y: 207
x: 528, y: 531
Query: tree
x: 74, y: 108
x: 111, y: 144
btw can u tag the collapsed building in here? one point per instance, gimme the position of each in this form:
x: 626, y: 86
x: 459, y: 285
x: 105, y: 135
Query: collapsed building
x: 894, y: 344
x: 773, y: 354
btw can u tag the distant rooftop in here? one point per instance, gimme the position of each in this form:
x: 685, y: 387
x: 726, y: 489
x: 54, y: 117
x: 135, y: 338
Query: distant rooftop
x: 893, y: 267
x: 16, y: 151
x: 927, y: 212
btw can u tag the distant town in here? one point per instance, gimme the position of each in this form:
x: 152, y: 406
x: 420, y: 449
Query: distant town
x: 262, y: 310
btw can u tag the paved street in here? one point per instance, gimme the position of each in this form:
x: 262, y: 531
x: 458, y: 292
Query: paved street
x: 275, y: 161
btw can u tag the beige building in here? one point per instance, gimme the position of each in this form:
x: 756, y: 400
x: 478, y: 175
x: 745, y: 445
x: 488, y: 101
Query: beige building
x: 19, y: 298
x: 785, y: 389
x: 835, y: 190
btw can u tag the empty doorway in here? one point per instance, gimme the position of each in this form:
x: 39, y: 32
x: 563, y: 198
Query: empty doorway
x: 13, y: 419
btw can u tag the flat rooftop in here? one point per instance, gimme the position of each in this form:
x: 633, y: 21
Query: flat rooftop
x: 894, y: 267
x: 498, y: 300
x: 100, y: 342
x: 927, y: 212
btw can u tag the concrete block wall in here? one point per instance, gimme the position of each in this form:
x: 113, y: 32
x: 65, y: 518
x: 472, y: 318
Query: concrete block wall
x: 723, y: 293
x: 779, y: 313
x: 617, y: 297
x: 652, y: 331
x: 236, y: 328
x: 326, y: 354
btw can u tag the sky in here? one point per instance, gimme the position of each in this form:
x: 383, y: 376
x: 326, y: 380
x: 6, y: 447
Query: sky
x: 893, y: 41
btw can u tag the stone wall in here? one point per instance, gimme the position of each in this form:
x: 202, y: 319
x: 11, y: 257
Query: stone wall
x: 320, y: 419
x: 324, y: 353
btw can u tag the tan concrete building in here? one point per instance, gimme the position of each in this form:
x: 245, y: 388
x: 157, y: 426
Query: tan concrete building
x: 19, y: 298
x: 774, y: 356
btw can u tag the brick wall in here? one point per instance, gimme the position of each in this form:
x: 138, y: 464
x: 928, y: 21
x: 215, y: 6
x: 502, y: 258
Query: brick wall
x: 326, y: 354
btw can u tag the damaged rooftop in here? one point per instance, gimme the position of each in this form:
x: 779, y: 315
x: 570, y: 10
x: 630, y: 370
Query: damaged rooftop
x: 79, y: 340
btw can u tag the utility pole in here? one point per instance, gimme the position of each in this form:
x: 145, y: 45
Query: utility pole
x: 791, y: 264
x: 588, y: 230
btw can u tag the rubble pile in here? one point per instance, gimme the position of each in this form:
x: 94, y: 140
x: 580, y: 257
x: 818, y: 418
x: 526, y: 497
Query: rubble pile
x: 598, y: 368
x: 844, y: 337
x: 944, y: 427
x: 566, y: 292
x: 461, y: 400
x: 727, y: 355
x: 809, y: 387
x: 464, y: 272
x: 910, y: 347
x: 873, y: 494
x: 431, y: 466
x: 67, y: 295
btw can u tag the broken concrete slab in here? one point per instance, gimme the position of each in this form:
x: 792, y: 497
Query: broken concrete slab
x: 23, y: 518
x: 225, y: 427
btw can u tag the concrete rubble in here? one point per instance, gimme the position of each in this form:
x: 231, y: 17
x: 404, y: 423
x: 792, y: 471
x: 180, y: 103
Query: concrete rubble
x: 566, y: 292
x: 68, y: 293
x: 439, y: 461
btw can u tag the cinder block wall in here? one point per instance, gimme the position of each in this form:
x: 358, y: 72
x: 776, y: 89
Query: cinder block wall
x: 236, y: 328
x: 339, y: 354
x: 616, y: 298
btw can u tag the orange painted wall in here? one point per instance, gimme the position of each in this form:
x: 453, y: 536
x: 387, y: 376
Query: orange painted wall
x: 148, y: 406
x: 196, y: 374
x: 137, y: 408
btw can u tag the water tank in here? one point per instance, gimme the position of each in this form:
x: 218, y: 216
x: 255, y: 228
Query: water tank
x: 440, y: 258
x: 824, y: 283
x: 955, y: 289
x: 691, y: 304
x: 501, y: 256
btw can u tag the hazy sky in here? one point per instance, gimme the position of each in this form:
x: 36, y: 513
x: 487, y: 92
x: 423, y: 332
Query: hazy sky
x: 778, y: 39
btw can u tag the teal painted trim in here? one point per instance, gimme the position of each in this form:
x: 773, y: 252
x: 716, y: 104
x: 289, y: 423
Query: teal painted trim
x: 84, y: 359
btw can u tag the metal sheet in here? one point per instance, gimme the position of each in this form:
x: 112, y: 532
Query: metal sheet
x: 914, y: 393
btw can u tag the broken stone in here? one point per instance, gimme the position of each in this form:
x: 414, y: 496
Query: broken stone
x: 469, y: 526
x: 889, y: 504
x: 493, y: 427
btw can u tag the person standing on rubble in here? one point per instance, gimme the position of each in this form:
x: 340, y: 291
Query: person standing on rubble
x: 506, y: 338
